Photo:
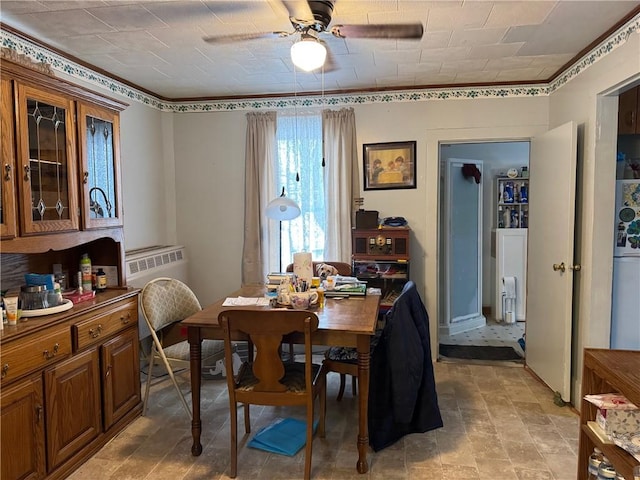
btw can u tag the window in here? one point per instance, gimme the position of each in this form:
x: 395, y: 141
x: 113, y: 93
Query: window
x: 299, y: 144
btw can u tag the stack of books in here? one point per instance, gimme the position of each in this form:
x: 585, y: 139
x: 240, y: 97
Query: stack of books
x: 346, y: 287
x: 275, y: 278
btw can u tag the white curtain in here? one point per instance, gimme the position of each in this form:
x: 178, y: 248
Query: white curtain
x: 260, y: 157
x: 342, y: 181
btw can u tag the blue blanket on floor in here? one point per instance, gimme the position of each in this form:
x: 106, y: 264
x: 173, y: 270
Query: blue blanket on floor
x: 285, y: 436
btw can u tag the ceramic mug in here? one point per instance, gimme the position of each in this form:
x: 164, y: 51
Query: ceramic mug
x: 303, y: 300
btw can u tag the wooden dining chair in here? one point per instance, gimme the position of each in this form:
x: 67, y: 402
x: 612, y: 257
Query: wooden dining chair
x: 265, y: 379
x: 344, y: 269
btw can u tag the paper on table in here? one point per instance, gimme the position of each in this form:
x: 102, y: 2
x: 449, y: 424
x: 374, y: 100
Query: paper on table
x: 245, y: 301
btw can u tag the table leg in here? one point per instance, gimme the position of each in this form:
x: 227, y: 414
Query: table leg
x: 363, y: 399
x: 195, y: 344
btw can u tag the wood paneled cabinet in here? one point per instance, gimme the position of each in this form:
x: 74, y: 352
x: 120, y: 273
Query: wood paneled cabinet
x: 22, y: 429
x: 60, y: 163
x: 628, y: 110
x: 67, y: 388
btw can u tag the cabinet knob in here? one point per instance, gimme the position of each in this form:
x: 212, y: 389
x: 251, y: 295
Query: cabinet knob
x: 39, y: 410
x: 85, y: 177
x: 5, y: 370
x: 27, y: 173
x: 7, y: 172
x: 49, y: 355
x: 95, y: 333
x: 125, y: 319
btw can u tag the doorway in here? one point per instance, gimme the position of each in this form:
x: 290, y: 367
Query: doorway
x: 492, y: 339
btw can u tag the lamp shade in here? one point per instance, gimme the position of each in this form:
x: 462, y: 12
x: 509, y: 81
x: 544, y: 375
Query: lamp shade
x: 308, y: 54
x: 282, y: 208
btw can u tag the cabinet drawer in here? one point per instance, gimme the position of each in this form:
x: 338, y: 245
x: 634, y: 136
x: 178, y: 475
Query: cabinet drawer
x: 22, y: 358
x: 103, y: 323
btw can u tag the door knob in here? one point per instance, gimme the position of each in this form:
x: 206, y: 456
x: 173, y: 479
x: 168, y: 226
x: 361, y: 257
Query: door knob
x: 562, y: 267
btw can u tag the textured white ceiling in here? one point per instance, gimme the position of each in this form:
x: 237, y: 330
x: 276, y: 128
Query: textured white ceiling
x: 158, y: 45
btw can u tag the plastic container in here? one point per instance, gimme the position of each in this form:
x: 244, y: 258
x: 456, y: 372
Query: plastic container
x: 34, y: 297
x: 606, y: 470
x: 595, y: 459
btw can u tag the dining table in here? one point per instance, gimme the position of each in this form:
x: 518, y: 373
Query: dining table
x: 343, y: 321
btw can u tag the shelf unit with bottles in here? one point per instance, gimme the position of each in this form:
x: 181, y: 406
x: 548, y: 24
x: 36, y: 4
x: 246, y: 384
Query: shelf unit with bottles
x: 512, y: 202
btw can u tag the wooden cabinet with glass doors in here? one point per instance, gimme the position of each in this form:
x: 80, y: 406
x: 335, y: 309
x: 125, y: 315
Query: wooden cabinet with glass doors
x: 61, y: 183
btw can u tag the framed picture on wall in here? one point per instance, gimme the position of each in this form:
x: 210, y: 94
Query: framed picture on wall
x: 388, y: 166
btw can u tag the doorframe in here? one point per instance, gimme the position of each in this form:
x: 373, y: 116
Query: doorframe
x: 434, y: 139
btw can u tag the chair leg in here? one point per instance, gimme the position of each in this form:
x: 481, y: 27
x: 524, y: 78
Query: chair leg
x: 175, y: 383
x: 148, y: 385
x: 323, y: 410
x: 309, y: 445
x: 247, y: 418
x: 234, y: 439
x: 341, y: 391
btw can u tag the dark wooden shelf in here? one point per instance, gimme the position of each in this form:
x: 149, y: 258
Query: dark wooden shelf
x: 607, y: 371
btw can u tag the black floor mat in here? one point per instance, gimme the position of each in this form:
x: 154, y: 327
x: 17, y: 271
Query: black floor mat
x: 478, y: 352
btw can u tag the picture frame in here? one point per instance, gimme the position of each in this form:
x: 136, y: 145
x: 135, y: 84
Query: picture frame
x: 389, y: 166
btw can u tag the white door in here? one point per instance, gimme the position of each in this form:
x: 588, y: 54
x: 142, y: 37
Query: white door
x: 551, y: 231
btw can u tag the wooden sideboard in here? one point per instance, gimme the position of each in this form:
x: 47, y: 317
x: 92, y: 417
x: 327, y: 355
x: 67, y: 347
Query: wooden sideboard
x: 70, y: 382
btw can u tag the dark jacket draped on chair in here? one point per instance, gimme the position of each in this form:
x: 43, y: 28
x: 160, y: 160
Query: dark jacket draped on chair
x: 402, y: 390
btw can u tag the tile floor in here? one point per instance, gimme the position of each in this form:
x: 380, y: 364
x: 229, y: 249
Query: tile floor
x: 499, y: 423
x: 494, y: 333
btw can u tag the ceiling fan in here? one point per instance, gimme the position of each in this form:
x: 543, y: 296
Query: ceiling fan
x: 310, y: 18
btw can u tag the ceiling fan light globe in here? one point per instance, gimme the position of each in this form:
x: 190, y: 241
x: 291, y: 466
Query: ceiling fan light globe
x: 308, y: 54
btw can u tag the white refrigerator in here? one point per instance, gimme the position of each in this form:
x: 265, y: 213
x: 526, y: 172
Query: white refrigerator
x: 625, y: 311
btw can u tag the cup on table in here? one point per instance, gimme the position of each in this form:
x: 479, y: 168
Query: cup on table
x: 320, y: 291
x: 330, y: 282
x: 303, y: 300
x: 315, y: 282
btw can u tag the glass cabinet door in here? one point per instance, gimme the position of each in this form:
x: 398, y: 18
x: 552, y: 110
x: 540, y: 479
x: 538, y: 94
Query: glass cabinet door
x: 7, y: 189
x: 99, y: 139
x: 46, y: 152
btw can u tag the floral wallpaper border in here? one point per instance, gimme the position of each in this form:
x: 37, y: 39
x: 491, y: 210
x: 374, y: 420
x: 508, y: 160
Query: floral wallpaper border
x: 60, y: 63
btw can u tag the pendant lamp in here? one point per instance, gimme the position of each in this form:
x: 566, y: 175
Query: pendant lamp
x: 282, y: 208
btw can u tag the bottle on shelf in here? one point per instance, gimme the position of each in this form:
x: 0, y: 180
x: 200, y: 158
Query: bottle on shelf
x: 101, y: 280
x: 85, y: 271
x: 595, y: 459
x: 606, y: 470
x: 500, y: 217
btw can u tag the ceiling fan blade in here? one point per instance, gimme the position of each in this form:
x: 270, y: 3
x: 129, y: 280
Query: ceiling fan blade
x: 237, y: 37
x: 400, y: 30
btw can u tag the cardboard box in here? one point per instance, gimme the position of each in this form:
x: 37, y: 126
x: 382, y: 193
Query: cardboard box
x: 618, y: 421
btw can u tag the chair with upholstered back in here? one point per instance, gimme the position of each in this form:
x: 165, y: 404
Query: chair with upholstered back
x: 165, y: 302
x: 265, y: 379
x: 342, y: 267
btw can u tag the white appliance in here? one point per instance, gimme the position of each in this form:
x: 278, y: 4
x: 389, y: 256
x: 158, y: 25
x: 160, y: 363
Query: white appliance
x: 145, y: 264
x: 625, y: 306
